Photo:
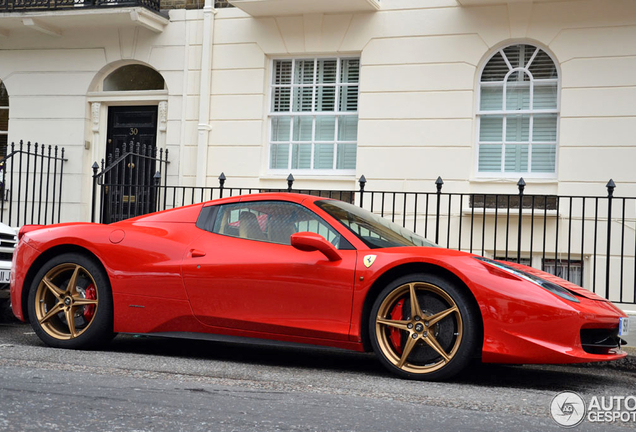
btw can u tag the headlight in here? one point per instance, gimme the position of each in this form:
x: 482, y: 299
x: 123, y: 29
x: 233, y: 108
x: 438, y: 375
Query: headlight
x: 549, y: 286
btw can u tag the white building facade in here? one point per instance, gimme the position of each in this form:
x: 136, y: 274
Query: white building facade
x: 479, y: 92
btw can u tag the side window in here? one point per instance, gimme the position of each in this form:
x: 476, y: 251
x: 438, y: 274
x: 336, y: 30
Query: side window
x: 272, y: 222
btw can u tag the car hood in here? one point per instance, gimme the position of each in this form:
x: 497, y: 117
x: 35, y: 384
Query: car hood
x: 557, y: 280
x: 6, y: 229
x: 451, y: 254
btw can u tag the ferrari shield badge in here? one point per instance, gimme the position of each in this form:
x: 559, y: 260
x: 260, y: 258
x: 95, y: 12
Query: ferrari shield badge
x: 369, y: 260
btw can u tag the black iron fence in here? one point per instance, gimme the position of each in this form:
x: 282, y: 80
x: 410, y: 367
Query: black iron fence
x: 39, y: 5
x: 128, y: 183
x: 31, y: 187
x: 589, y: 240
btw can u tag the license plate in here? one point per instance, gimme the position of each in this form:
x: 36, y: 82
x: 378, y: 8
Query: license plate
x: 623, y: 326
x: 5, y: 276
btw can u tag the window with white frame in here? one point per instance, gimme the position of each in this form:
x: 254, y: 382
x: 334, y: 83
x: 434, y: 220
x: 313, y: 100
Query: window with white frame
x: 518, y: 113
x: 4, y: 120
x: 314, y: 114
x: 569, y: 270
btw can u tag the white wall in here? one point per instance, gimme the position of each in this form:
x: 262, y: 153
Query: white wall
x: 50, y: 81
x: 420, y: 67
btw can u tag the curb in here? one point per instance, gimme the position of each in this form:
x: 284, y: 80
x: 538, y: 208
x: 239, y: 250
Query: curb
x: 627, y: 364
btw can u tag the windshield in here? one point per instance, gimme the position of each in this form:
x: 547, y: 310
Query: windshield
x: 373, y: 230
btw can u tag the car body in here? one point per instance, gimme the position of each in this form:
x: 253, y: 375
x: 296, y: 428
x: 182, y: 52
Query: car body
x: 302, y: 269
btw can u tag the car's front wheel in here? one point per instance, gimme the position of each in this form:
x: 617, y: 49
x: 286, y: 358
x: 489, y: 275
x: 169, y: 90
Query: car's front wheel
x: 424, y: 327
x: 70, y: 302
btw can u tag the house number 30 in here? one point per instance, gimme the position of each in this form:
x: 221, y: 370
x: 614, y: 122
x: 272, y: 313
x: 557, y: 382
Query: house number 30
x: 134, y: 131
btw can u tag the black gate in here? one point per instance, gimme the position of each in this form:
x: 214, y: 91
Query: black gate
x: 31, y: 184
x: 128, y: 182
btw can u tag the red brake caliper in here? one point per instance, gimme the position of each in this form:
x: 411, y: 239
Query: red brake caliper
x: 89, y: 310
x: 396, y: 334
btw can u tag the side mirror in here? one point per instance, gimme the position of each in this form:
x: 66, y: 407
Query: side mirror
x: 309, y: 242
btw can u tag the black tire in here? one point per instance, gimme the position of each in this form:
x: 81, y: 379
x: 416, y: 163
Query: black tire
x: 6, y: 314
x: 440, y: 343
x: 88, y: 329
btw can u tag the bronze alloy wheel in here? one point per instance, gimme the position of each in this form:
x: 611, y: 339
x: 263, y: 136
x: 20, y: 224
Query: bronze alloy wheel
x: 66, y: 301
x: 419, y: 328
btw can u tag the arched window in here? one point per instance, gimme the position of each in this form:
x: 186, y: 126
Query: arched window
x: 4, y: 120
x: 518, y: 113
x: 134, y: 77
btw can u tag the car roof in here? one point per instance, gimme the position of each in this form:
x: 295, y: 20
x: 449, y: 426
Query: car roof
x: 267, y: 196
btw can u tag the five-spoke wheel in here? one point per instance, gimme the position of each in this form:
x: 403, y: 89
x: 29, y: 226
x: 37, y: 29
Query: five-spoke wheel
x: 70, y: 304
x: 423, y: 327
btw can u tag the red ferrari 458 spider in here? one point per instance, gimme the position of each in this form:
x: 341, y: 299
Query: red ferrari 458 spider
x: 302, y: 269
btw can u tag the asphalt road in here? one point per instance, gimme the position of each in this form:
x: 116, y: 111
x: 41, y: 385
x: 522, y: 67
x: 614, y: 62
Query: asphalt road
x: 156, y: 384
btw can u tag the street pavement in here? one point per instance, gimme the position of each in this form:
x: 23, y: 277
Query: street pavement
x: 157, y: 384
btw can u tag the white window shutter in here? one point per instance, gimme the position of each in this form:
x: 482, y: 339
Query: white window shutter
x: 518, y: 112
x: 321, y: 128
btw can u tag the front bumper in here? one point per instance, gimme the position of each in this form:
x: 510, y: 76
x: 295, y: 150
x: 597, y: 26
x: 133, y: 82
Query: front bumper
x: 23, y: 258
x: 564, y: 338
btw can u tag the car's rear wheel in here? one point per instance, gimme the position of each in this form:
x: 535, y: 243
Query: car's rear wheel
x: 70, y: 303
x: 424, y: 327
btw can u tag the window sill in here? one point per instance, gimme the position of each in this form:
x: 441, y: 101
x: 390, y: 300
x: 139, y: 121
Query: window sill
x: 344, y: 175
x: 511, y: 180
x: 503, y: 212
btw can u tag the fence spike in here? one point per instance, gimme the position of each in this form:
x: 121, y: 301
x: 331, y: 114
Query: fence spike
x: 290, y: 182
x: 222, y: 179
x: 363, y: 182
x: 521, y: 184
x: 438, y: 183
x: 610, y: 188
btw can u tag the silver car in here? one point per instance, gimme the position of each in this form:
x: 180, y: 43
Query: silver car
x: 8, y: 240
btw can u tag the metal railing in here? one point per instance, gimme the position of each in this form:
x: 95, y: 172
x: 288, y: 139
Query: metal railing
x: 31, y: 188
x: 128, y: 182
x: 40, y: 5
x: 571, y: 236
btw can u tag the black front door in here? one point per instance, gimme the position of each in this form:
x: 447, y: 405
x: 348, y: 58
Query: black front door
x: 128, y: 182
x: 128, y: 124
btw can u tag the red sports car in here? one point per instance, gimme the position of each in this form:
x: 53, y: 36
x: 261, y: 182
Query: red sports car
x: 302, y: 269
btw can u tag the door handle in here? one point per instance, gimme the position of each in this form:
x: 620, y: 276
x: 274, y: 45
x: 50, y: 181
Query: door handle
x: 195, y: 253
